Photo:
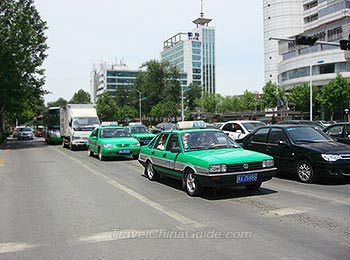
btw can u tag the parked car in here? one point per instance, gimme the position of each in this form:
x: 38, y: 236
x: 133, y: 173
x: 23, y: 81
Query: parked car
x: 201, y: 157
x: 238, y: 129
x: 112, y: 141
x: 162, y: 127
x: 339, y: 132
x: 25, y: 133
x: 301, y: 122
x: 141, y: 133
x: 300, y: 149
x: 16, y: 130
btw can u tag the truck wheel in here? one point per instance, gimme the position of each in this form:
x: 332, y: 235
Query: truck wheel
x: 100, y: 156
x: 191, y: 184
x: 255, y: 186
x: 150, y: 173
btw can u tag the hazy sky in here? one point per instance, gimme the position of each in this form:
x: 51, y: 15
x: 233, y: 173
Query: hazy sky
x: 82, y: 32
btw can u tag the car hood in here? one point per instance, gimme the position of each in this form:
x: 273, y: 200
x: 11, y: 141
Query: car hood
x: 143, y: 135
x: 120, y: 140
x: 327, y: 147
x: 228, y: 156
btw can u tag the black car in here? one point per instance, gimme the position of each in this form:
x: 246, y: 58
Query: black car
x: 339, y: 132
x: 301, y: 149
x: 162, y: 127
x: 301, y: 122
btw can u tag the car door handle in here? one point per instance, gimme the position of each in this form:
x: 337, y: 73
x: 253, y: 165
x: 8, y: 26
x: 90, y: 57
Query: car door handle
x: 268, y: 148
x: 152, y: 152
x: 164, y: 154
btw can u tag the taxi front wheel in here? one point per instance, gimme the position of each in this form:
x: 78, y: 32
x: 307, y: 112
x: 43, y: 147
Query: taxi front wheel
x: 100, y: 155
x: 191, y: 184
x: 151, y: 173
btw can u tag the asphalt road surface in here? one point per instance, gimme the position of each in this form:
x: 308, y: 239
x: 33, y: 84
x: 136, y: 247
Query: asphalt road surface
x: 60, y: 204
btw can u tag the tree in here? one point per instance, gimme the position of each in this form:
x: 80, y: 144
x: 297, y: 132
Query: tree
x: 125, y: 113
x: 229, y: 104
x: 335, y: 95
x: 209, y: 102
x: 58, y: 103
x: 106, y: 107
x: 80, y: 97
x: 249, y: 101
x: 270, y: 96
x: 194, y: 92
x: 22, y: 52
x: 300, y: 96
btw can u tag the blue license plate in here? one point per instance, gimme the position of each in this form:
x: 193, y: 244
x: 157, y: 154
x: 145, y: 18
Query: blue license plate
x: 124, y: 151
x: 247, y: 178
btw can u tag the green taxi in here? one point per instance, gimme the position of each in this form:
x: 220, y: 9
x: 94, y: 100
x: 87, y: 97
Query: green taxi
x: 110, y: 140
x: 202, y: 157
x: 141, y: 133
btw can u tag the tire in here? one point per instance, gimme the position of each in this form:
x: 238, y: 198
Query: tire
x: 305, y: 172
x: 192, y: 187
x: 90, y: 153
x: 135, y: 157
x: 255, y: 186
x: 100, y: 156
x: 72, y: 147
x: 150, y: 173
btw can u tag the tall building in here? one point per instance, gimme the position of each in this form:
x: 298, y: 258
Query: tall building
x: 282, y: 18
x: 329, y: 20
x: 193, y: 53
x: 111, y: 77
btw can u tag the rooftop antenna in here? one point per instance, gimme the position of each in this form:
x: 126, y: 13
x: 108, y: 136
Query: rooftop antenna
x: 202, y: 13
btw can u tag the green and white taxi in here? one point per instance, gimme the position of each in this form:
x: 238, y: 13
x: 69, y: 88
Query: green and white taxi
x: 202, y: 157
x: 110, y: 140
x: 141, y: 133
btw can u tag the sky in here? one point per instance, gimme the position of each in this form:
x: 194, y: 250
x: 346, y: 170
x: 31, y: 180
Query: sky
x: 83, y: 32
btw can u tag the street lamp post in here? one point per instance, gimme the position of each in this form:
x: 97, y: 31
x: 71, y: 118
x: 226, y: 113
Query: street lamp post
x: 182, y: 103
x: 139, y: 92
x: 318, y: 62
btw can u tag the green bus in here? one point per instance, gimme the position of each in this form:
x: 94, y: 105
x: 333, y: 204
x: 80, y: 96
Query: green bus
x: 52, y: 126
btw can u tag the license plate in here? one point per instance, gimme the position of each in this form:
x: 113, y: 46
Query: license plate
x: 124, y: 151
x: 145, y: 142
x: 247, y: 178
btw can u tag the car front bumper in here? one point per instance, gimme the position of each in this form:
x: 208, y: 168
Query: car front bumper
x: 339, y: 168
x: 111, y: 152
x: 230, y: 180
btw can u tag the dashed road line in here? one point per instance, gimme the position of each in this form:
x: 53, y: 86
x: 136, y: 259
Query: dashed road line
x: 15, y: 247
x: 287, y: 212
x: 183, y: 220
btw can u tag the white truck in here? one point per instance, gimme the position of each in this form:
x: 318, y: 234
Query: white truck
x: 76, y: 123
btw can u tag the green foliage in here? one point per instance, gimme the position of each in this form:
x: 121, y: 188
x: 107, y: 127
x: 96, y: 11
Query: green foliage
x: 22, y: 52
x: 271, y: 95
x: 229, y: 104
x: 125, y: 113
x: 335, y: 94
x: 249, y: 101
x: 194, y: 92
x: 80, y: 97
x: 300, y: 96
x: 167, y: 109
x: 106, y: 107
x: 60, y: 102
x: 208, y: 102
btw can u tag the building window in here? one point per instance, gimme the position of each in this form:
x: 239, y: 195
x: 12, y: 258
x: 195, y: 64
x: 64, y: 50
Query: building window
x: 196, y: 76
x: 198, y: 71
x: 196, y: 64
x: 327, y: 68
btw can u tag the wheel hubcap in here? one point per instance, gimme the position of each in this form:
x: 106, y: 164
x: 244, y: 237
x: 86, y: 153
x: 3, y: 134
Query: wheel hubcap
x: 190, y: 182
x: 150, y: 171
x: 304, y: 172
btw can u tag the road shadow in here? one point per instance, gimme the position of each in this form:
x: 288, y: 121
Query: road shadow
x: 14, y: 144
x: 218, y: 193
x: 326, y: 181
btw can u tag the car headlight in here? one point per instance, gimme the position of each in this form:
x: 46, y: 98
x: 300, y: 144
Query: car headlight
x: 138, y: 144
x: 109, y: 146
x: 268, y: 163
x: 217, y: 168
x: 331, y: 157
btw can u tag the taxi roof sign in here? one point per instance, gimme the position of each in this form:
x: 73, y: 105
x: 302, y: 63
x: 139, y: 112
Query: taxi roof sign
x: 190, y: 125
x: 109, y: 124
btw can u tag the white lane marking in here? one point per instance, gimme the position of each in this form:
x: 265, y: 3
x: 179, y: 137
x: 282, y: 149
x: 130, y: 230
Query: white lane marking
x: 112, y: 236
x: 339, y: 200
x: 171, y: 213
x: 287, y: 211
x: 15, y: 247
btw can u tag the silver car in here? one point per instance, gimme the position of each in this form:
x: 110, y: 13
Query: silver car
x: 25, y: 133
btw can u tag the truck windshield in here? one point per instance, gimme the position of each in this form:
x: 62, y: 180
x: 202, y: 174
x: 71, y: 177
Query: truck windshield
x: 85, y: 123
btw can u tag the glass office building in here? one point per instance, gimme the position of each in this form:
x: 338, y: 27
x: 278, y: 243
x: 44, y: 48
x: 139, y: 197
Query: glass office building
x: 193, y: 53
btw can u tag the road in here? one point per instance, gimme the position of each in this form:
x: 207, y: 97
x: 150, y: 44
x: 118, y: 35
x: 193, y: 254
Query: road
x: 60, y: 204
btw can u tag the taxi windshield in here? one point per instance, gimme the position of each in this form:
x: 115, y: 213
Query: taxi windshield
x: 114, y: 133
x: 205, y: 140
x: 138, y: 129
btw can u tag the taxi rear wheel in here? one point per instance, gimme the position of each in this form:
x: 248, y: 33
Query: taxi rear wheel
x: 191, y: 184
x: 151, y: 173
x: 90, y: 153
